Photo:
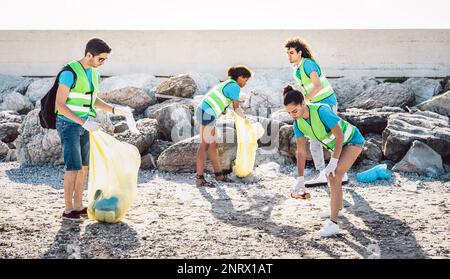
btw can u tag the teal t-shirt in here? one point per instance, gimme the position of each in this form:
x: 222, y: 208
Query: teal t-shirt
x: 310, y: 66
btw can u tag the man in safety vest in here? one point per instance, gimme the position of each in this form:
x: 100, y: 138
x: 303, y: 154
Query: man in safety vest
x: 76, y: 100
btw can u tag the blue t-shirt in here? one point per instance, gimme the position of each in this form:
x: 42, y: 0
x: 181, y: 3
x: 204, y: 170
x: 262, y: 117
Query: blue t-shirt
x: 310, y: 66
x: 231, y: 90
x: 330, y: 119
x: 67, y: 78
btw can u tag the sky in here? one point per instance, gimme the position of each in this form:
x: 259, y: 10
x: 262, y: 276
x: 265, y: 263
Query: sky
x: 223, y: 15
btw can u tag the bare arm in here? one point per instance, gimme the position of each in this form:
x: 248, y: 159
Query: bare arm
x: 235, y: 105
x: 301, y: 156
x: 337, y: 132
x: 60, y: 104
x: 99, y: 103
x: 317, y: 86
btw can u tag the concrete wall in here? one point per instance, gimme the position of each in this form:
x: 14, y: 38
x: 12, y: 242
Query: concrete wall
x: 381, y: 53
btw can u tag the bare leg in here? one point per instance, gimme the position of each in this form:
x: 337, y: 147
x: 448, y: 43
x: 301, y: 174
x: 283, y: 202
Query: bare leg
x: 201, y: 155
x: 212, y: 152
x: 348, y: 157
x: 69, y: 189
x: 79, y: 188
x: 203, y: 147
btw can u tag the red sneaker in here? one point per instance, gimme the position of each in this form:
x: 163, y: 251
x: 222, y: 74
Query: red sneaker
x: 72, y: 216
x: 82, y: 212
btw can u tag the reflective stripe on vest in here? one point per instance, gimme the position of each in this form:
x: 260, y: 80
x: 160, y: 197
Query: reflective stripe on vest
x: 348, y: 133
x: 217, y: 100
x: 80, y: 99
x: 317, y: 130
x: 308, y: 85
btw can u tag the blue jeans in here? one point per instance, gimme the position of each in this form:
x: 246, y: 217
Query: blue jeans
x: 75, y: 144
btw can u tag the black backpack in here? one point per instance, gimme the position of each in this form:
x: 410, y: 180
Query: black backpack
x: 47, y: 115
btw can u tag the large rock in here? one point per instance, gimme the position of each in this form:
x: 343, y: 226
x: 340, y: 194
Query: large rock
x: 282, y: 116
x: 9, y: 131
x: 369, y: 121
x: 178, y: 86
x: 36, y: 145
x: 404, y: 128
x: 151, y: 111
x: 204, y: 82
x: 445, y: 84
x: 158, y: 147
x: 270, y: 81
x: 439, y: 104
x: 148, y: 133
x: 262, y: 102
x: 4, y: 150
x: 10, y: 83
x: 181, y: 157
x: 38, y: 88
x: 11, y: 156
x: 384, y: 95
x: 288, y: 144
x: 134, y: 90
x: 420, y: 159
x: 348, y: 89
x: 16, y: 102
x: 174, y: 119
x: 263, y: 93
x: 423, y: 88
x: 120, y: 127
x: 372, y: 152
x: 149, y: 160
x: 9, y: 126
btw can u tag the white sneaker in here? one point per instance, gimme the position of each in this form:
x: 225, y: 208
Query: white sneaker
x: 319, y: 179
x: 329, y: 229
x: 327, y: 213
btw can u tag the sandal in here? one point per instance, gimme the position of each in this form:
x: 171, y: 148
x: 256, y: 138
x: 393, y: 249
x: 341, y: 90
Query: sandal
x: 304, y: 196
x: 224, y: 177
x: 203, y: 182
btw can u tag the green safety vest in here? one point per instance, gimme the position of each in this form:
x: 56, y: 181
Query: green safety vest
x: 216, y: 99
x: 307, y: 83
x: 317, y: 131
x: 81, y: 99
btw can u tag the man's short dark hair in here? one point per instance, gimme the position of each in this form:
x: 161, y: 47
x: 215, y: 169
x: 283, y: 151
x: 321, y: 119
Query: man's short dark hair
x: 96, y: 46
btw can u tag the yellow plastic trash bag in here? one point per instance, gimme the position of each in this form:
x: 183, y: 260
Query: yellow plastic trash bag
x: 247, y: 139
x: 113, y: 175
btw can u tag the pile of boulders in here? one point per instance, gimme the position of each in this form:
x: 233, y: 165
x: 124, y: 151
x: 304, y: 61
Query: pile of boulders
x: 403, y: 122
